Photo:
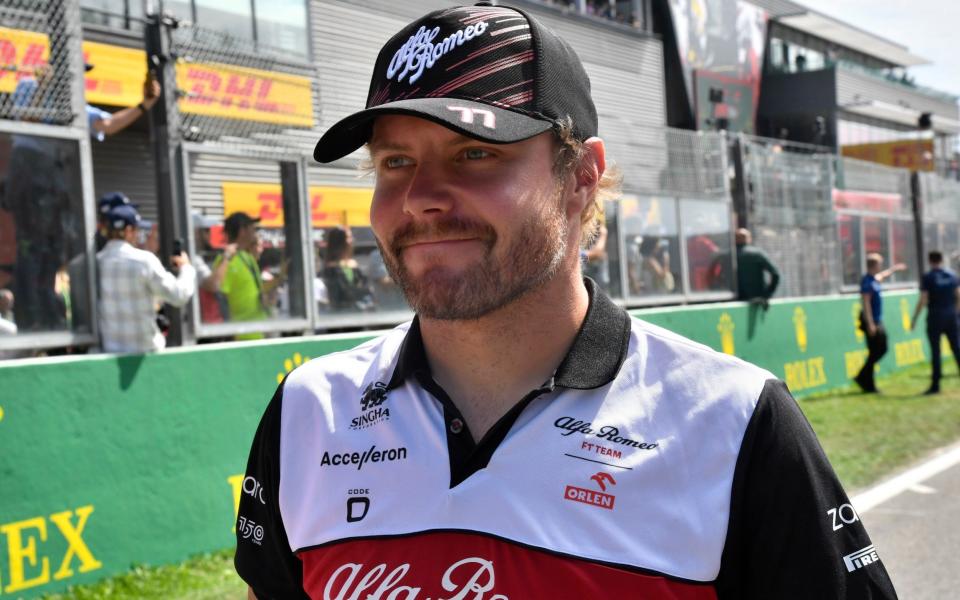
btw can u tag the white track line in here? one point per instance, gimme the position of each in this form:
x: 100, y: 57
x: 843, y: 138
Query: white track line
x: 882, y: 492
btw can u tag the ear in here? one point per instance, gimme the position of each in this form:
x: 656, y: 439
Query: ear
x: 587, y: 175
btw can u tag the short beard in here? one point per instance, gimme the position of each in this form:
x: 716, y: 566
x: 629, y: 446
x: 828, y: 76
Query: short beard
x: 533, y: 258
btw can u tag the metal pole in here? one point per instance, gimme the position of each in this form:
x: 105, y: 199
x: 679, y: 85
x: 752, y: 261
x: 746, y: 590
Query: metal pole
x: 916, y: 195
x: 164, y: 130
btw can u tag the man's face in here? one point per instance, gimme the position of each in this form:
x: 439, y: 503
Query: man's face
x: 248, y: 237
x: 465, y: 227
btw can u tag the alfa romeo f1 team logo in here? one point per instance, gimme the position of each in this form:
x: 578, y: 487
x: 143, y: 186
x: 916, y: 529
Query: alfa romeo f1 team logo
x: 593, y: 497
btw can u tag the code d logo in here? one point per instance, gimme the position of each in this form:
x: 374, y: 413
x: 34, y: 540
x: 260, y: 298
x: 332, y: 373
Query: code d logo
x: 357, y: 508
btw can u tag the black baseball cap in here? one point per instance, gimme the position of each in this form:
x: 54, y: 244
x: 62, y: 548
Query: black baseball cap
x: 493, y: 73
x: 236, y: 221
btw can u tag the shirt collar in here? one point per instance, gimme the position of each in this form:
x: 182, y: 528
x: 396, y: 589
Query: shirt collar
x: 594, y: 359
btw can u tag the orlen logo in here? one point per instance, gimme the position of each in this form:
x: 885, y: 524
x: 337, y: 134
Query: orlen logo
x: 579, y: 494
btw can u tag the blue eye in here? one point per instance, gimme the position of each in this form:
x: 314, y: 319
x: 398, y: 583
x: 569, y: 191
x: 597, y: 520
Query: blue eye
x: 395, y: 162
x: 475, y: 153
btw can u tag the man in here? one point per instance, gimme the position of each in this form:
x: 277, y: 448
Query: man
x: 131, y: 283
x: 77, y: 266
x: 939, y: 289
x: 524, y: 437
x: 871, y: 318
x: 243, y: 284
x: 753, y: 268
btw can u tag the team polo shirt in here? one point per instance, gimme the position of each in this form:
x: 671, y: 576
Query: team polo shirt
x: 648, y: 466
x: 941, y: 287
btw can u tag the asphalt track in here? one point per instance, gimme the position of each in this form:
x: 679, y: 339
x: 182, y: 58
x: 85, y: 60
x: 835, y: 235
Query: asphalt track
x: 914, y: 522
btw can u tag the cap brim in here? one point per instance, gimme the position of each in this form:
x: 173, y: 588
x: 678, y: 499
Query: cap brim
x: 478, y: 120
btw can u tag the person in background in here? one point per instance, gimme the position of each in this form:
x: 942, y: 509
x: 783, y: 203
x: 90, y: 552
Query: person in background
x: 940, y: 290
x: 7, y: 325
x: 386, y: 293
x: 753, y: 271
x: 213, y: 304
x: 243, y: 284
x: 347, y: 286
x: 271, y: 266
x: 131, y: 282
x: 871, y: 318
x: 596, y: 264
x: 655, y: 274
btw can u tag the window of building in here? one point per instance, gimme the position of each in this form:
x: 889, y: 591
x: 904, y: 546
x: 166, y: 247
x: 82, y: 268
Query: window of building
x: 233, y: 17
x: 904, y: 250
x: 246, y: 248
x: 851, y: 251
x: 282, y: 25
x: 119, y: 14
x: 651, y: 245
x: 706, y: 234
x: 278, y: 26
x: 43, y: 264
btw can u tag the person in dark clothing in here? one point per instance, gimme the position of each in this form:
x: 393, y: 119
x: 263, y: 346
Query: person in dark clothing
x: 753, y: 266
x: 940, y: 290
x: 347, y: 285
x: 871, y: 319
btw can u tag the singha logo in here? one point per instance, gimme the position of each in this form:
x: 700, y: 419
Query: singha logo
x: 372, y: 410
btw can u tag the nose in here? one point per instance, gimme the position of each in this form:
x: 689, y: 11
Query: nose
x: 428, y: 193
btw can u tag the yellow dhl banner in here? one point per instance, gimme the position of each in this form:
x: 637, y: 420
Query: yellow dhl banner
x: 21, y: 52
x: 916, y: 155
x: 117, y: 76
x: 211, y: 89
x: 220, y: 90
x: 329, y: 206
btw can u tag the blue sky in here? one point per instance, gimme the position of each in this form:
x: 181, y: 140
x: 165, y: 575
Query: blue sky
x: 930, y: 28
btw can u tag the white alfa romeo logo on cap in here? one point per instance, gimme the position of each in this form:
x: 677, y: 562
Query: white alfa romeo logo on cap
x: 421, y: 53
x: 467, y: 115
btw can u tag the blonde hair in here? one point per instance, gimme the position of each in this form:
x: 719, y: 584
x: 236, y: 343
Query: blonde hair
x: 569, y: 156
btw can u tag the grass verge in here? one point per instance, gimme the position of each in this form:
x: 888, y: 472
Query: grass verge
x: 865, y: 436
x: 868, y: 436
x: 206, y: 577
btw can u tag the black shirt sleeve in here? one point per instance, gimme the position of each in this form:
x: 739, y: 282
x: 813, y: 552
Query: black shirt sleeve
x: 263, y: 558
x: 793, y: 533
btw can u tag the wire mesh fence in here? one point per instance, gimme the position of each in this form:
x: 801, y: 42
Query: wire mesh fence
x: 864, y: 176
x: 788, y: 190
x: 38, y: 62
x: 940, y: 202
x: 666, y: 161
x: 940, y: 198
x: 233, y: 94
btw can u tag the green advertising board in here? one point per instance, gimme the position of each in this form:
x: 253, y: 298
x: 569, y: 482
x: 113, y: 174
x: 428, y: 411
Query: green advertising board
x: 109, y: 461
x: 813, y: 345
